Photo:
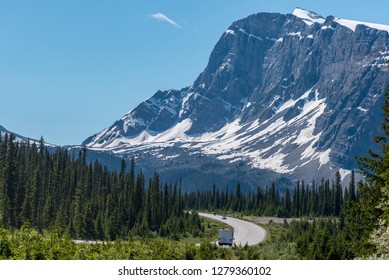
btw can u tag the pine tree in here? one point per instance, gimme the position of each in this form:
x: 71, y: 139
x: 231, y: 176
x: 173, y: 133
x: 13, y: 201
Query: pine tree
x: 8, y: 183
x: 238, y: 198
x: 376, y: 166
x: 296, y: 200
x: 42, y: 145
x: 288, y: 203
x: 352, y: 195
x: 338, y: 194
x: 373, y: 200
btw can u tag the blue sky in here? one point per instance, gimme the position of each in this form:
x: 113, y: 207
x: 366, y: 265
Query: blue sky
x: 68, y: 69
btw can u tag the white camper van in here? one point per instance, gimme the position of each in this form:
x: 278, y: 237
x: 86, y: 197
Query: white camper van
x: 226, y: 237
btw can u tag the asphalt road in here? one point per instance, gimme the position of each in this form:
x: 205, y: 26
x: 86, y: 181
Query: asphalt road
x: 244, y: 232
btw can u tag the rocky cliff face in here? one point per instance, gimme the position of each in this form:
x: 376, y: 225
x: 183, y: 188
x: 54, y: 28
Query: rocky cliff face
x: 297, y: 95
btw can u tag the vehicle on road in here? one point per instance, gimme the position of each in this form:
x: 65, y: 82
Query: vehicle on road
x: 244, y: 232
x: 226, y: 237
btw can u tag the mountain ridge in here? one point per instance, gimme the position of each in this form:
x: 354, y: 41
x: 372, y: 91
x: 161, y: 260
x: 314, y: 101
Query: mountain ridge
x: 295, y: 94
x: 21, y: 138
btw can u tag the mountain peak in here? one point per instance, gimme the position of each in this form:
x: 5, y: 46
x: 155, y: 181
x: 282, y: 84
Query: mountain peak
x: 295, y: 95
x: 309, y: 17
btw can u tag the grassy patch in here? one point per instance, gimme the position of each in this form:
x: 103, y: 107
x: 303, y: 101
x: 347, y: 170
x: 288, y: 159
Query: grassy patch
x: 27, y: 243
x: 276, y: 246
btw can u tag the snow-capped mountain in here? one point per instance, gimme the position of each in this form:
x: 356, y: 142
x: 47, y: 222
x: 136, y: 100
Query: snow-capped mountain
x: 294, y: 95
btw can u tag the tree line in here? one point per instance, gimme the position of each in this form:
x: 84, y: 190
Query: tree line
x: 326, y: 198
x: 55, y: 189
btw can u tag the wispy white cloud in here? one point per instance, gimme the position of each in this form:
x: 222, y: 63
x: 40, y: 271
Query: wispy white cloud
x: 162, y: 17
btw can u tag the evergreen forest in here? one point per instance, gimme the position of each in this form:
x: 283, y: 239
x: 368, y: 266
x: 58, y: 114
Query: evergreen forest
x: 85, y: 200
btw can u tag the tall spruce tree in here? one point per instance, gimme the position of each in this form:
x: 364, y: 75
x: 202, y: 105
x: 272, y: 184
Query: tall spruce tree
x: 375, y: 168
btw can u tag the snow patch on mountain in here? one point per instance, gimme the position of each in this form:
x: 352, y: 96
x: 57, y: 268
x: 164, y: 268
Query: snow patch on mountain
x: 344, y: 173
x: 230, y: 32
x: 352, y: 24
x: 237, y: 141
x: 308, y: 17
x: 297, y: 34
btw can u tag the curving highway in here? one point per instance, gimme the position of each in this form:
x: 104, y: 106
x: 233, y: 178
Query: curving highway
x: 244, y: 232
